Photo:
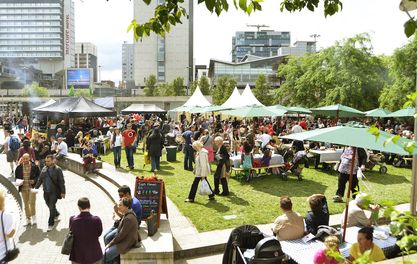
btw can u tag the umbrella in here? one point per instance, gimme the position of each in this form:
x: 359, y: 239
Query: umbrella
x: 406, y: 112
x: 211, y: 108
x: 298, y: 110
x: 355, y: 136
x: 337, y: 111
x: 253, y: 111
x: 377, y: 112
x: 181, y: 108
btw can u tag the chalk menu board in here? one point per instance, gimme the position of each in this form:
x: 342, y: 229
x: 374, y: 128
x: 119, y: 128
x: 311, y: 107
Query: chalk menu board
x: 151, y: 195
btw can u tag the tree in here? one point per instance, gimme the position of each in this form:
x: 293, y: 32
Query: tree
x: 171, y: 12
x: 403, y: 74
x: 193, y: 86
x: 345, y: 73
x: 178, y: 86
x: 223, y: 89
x: 34, y: 90
x: 204, y: 85
x: 164, y: 89
x: 262, y: 90
x: 150, y: 86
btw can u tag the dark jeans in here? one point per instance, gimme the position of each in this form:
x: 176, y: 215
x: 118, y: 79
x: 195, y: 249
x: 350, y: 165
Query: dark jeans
x: 341, y: 184
x: 188, y: 157
x: 225, y: 186
x: 155, y: 163
x: 129, y: 156
x: 50, y: 200
x: 194, y: 187
x: 117, y: 153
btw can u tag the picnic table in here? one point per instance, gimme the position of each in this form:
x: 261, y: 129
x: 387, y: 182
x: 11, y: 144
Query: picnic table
x: 326, y: 156
x: 275, y: 159
x: 302, y: 252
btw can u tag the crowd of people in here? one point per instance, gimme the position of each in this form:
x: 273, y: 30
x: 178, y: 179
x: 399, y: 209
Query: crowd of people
x: 206, y: 142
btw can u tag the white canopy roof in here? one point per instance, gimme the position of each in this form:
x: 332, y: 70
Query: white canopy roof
x: 142, y: 108
x: 234, y: 100
x: 248, y: 99
x: 197, y: 99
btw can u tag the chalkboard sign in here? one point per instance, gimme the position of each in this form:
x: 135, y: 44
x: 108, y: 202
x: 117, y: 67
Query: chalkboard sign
x: 152, y: 197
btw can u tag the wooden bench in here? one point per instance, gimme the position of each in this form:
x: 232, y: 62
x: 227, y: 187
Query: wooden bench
x: 74, y: 162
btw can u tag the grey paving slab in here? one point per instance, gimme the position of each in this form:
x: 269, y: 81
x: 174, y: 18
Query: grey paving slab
x: 38, y: 246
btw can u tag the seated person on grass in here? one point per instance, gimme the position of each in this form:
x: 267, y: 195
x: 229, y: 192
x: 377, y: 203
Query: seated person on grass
x: 290, y: 225
x: 356, y: 213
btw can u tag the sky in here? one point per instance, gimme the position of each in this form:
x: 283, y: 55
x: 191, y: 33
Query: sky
x: 105, y: 24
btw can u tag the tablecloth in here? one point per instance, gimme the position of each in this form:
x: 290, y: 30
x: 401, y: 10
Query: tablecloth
x: 275, y: 159
x: 328, y: 155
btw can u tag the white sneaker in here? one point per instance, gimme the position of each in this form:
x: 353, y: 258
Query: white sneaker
x: 27, y: 222
x: 34, y: 220
x: 56, y: 218
x: 49, y: 228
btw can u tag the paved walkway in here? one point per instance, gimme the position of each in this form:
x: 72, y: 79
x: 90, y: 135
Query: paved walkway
x: 38, y: 246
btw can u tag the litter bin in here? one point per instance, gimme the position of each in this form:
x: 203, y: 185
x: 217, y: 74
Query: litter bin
x: 171, y: 153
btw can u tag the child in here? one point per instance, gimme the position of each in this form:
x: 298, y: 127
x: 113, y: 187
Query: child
x: 247, y: 160
x: 266, y: 158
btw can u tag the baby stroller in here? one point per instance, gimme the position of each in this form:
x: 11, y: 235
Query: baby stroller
x: 248, y: 245
x: 299, y: 162
x: 377, y: 159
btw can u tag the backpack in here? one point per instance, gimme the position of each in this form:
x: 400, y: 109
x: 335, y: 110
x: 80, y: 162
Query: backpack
x: 324, y: 231
x: 14, y: 143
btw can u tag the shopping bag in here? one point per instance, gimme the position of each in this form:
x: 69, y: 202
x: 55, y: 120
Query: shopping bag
x: 204, y: 188
x: 146, y: 158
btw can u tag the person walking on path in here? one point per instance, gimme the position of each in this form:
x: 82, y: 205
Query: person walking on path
x: 116, y: 144
x: 223, y: 167
x: 86, y: 229
x: 202, y: 171
x: 127, y: 233
x: 53, y: 183
x: 188, y: 149
x: 26, y: 148
x: 28, y: 171
x: 7, y: 228
x: 154, y: 145
x: 129, y: 138
x: 12, y: 145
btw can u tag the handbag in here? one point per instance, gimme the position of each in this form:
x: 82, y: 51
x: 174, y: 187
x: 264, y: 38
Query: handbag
x: 68, y: 243
x: 204, y: 188
x: 11, y: 254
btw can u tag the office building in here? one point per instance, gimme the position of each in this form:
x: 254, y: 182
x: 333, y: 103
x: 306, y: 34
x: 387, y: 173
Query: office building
x: 37, y: 33
x: 86, y: 57
x: 264, y: 43
x: 300, y: 48
x: 166, y: 57
x: 128, y: 62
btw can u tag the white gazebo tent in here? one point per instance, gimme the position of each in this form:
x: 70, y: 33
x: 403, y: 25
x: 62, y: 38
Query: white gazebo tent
x: 234, y: 100
x: 196, y: 100
x: 248, y: 99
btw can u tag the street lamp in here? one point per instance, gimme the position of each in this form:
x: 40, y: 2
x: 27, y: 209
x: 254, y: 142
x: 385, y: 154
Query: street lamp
x: 188, y: 79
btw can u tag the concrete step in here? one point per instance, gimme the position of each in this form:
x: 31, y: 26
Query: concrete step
x: 108, y: 187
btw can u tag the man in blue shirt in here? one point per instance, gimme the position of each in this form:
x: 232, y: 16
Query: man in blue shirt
x: 188, y: 148
x: 124, y: 191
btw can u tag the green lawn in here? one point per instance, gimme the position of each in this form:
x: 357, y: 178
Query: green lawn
x: 257, y: 202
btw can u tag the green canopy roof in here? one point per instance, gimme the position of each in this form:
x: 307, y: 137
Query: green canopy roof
x: 354, y: 136
x: 337, y: 110
x: 254, y: 111
x: 211, y: 108
x: 298, y: 110
x: 377, y: 112
x: 406, y: 112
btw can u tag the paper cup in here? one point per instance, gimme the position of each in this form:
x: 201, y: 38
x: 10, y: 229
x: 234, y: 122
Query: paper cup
x: 34, y: 190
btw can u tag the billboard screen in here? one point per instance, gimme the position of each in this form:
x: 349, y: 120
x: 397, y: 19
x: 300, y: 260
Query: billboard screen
x: 79, y: 78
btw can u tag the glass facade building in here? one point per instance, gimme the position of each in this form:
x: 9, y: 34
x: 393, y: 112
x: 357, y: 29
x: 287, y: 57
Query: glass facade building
x: 31, y: 29
x: 248, y: 71
x: 263, y: 43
